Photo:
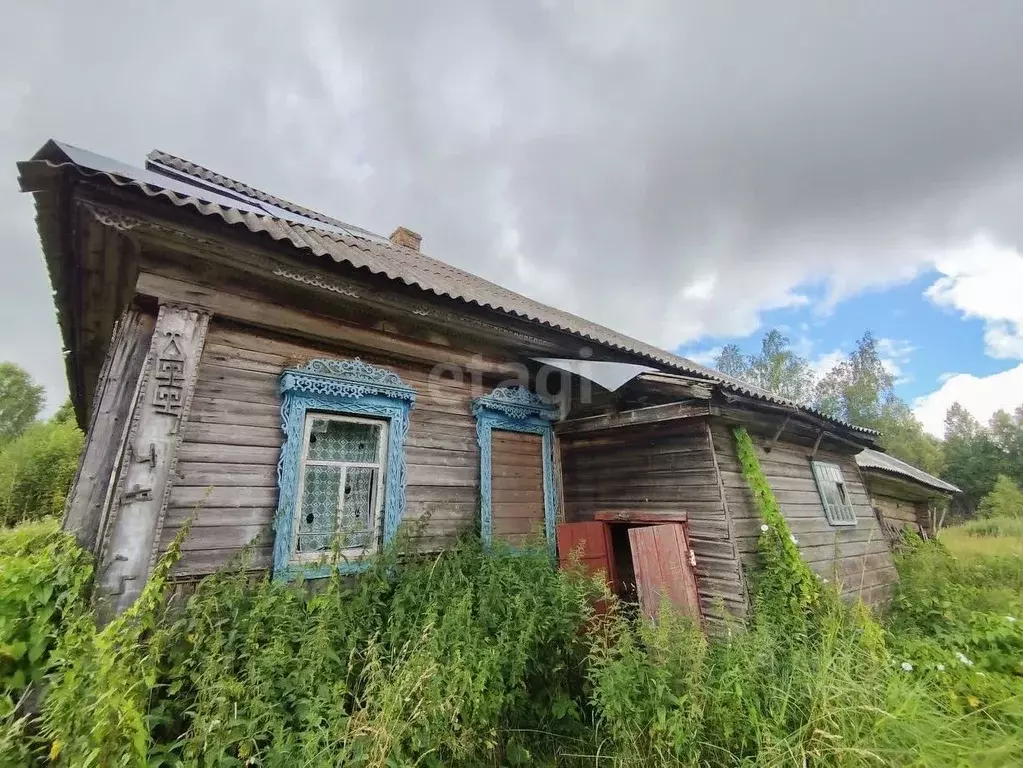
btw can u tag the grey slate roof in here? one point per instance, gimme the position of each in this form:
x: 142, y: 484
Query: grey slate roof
x: 187, y: 185
x: 870, y: 459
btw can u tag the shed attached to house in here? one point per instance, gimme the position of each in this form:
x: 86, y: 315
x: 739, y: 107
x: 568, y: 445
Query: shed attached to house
x: 304, y: 389
x: 903, y: 496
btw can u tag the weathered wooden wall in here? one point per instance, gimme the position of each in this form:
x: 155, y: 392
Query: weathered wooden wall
x: 856, y: 556
x: 660, y: 467
x: 516, y: 486
x: 902, y: 512
x: 227, y: 463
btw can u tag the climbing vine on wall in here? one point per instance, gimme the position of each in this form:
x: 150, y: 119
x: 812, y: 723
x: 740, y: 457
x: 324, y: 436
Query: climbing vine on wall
x: 785, y: 589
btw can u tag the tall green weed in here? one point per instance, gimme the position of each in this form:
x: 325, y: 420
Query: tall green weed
x: 468, y: 658
x: 487, y: 657
x: 36, y: 470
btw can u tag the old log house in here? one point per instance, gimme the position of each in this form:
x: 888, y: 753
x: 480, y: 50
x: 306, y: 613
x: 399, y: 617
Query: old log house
x: 299, y: 383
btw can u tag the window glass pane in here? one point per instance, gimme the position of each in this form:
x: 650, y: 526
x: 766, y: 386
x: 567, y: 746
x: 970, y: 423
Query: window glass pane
x: 357, y: 522
x: 332, y: 440
x: 317, y: 518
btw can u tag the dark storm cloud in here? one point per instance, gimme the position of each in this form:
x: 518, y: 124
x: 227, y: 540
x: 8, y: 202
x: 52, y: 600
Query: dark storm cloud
x: 670, y: 170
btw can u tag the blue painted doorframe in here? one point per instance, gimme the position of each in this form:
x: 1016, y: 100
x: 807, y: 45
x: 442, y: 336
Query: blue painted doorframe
x: 515, y: 409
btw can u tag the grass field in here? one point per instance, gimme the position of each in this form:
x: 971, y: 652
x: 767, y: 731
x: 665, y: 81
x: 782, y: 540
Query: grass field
x: 985, y: 538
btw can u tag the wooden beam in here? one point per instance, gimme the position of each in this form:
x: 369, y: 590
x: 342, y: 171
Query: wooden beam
x: 683, y: 385
x: 649, y: 415
x: 741, y: 416
x: 730, y: 525
x: 259, y: 312
x: 816, y: 444
x: 770, y: 446
x: 639, y: 516
x: 108, y: 428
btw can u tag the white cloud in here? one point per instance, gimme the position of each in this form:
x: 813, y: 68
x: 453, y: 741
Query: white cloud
x: 984, y: 279
x: 823, y: 364
x: 702, y: 288
x: 895, y: 356
x: 980, y: 395
x: 704, y: 356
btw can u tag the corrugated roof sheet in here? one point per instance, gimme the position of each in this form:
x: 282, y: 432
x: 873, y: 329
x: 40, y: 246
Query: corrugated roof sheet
x: 188, y: 185
x: 738, y: 387
x: 871, y: 459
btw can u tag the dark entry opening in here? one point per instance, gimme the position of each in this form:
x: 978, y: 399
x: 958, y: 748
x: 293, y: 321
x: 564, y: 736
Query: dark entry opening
x: 625, y: 569
x: 645, y: 558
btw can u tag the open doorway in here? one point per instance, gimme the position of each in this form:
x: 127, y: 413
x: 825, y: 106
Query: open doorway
x: 646, y: 558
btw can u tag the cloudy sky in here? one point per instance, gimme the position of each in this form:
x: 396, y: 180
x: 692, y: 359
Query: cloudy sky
x: 688, y: 172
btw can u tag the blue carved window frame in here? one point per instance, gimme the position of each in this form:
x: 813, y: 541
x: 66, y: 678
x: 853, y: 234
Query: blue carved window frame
x: 346, y: 387
x: 515, y: 409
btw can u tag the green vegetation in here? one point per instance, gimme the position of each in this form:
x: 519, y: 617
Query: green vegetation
x: 1004, y: 501
x: 44, y: 578
x: 21, y: 399
x: 38, y: 459
x: 36, y: 470
x: 860, y: 389
x: 483, y: 658
x: 487, y: 658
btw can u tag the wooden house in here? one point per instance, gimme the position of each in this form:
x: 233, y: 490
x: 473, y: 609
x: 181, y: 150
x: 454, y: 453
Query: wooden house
x: 300, y: 384
x: 904, y: 497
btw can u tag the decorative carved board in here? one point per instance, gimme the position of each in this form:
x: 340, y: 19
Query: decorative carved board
x: 134, y: 525
x: 664, y: 568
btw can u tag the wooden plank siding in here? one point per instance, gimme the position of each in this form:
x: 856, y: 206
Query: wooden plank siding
x: 903, y: 512
x: 856, y: 556
x: 516, y: 507
x: 227, y: 463
x: 655, y: 468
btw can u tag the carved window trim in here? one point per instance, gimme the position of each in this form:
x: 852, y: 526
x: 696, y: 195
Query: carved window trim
x: 515, y: 409
x: 348, y: 388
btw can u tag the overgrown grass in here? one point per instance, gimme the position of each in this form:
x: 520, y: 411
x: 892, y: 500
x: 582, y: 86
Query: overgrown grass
x: 991, y: 537
x: 477, y: 658
x: 488, y: 658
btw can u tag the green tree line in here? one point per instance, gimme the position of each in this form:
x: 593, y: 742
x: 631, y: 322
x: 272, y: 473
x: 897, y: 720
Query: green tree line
x: 860, y: 389
x: 38, y: 457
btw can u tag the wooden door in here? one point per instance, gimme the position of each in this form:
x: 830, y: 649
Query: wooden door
x: 516, y: 485
x: 591, y: 542
x: 664, y: 568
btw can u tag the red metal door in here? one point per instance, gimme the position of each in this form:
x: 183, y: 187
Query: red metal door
x: 590, y: 542
x: 664, y: 568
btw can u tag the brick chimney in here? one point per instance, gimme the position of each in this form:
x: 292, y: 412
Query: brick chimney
x: 406, y: 238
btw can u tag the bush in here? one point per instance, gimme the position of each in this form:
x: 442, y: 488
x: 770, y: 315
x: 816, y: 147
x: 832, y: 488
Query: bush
x: 1004, y: 501
x: 43, y: 580
x: 36, y: 470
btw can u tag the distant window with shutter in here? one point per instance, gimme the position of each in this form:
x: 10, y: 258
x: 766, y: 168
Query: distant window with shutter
x: 834, y: 494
